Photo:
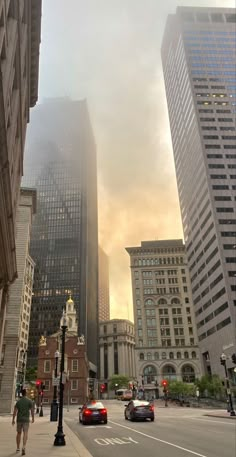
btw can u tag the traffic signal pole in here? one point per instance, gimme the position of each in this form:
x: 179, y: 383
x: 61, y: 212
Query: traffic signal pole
x: 228, y: 391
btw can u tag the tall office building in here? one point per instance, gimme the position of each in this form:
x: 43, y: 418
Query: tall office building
x: 103, y: 286
x: 20, y: 25
x: 165, y: 331
x: 64, y: 243
x: 198, y: 54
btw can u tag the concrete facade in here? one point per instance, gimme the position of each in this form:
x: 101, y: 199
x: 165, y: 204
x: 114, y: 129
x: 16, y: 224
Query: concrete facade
x: 20, y: 25
x: 198, y: 54
x: 103, y: 286
x: 165, y: 330
x: 15, y: 341
x: 116, y: 342
x: 76, y: 362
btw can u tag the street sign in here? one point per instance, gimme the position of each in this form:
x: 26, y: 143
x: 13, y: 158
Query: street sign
x: 56, y: 382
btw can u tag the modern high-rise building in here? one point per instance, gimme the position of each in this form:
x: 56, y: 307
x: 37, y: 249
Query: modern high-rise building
x: 15, y: 340
x: 64, y: 242
x: 198, y: 55
x: 103, y: 286
x: 20, y: 25
x: 166, y: 345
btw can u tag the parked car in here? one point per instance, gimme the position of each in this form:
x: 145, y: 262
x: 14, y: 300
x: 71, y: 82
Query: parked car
x: 93, y: 412
x: 138, y: 409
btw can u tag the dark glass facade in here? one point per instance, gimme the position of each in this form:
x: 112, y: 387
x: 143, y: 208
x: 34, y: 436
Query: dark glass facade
x: 64, y: 233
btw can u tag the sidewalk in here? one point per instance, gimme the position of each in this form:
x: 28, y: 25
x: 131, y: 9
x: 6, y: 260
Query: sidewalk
x: 41, y: 438
x: 220, y: 413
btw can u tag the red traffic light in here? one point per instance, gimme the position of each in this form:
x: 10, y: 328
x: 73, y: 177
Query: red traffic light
x: 102, y: 387
x: 164, y: 383
x: 38, y: 383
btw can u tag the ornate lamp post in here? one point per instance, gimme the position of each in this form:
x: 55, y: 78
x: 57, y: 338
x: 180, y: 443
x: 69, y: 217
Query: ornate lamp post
x: 59, y: 436
x: 54, y: 404
x: 223, y: 358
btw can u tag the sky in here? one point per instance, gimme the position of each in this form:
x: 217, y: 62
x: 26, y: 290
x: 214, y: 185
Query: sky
x: 108, y: 51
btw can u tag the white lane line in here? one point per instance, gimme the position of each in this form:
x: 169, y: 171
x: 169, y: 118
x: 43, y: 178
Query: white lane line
x: 161, y: 441
x: 210, y: 420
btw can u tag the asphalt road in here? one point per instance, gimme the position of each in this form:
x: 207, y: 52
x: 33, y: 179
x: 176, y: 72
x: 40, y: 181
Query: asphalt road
x: 176, y: 432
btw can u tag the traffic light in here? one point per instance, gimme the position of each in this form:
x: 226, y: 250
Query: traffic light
x: 234, y: 358
x: 164, y: 384
x: 38, y: 383
x: 222, y: 360
x: 102, y: 388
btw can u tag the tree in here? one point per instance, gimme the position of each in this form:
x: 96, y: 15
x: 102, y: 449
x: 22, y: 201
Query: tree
x: 211, y: 384
x: 118, y: 382
x: 180, y: 389
x: 31, y: 374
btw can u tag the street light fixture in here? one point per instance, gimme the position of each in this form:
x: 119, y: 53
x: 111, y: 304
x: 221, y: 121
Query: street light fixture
x: 54, y: 404
x: 59, y: 436
x: 223, y: 359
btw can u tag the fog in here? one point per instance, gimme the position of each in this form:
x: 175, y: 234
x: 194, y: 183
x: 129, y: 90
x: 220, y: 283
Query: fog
x: 108, y: 51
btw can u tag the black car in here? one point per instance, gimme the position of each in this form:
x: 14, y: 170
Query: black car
x: 93, y: 412
x: 138, y: 409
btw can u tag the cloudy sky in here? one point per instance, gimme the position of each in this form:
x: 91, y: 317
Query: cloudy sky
x: 108, y: 51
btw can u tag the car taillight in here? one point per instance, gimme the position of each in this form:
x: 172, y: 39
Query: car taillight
x: 103, y: 411
x: 87, y: 412
x: 151, y: 408
x: 135, y: 409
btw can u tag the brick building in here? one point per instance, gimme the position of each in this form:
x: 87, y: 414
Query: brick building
x: 76, y: 362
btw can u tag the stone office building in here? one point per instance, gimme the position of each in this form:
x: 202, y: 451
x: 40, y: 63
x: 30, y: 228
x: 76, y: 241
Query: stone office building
x: 116, y: 343
x: 20, y: 26
x: 16, y: 333
x: 165, y: 331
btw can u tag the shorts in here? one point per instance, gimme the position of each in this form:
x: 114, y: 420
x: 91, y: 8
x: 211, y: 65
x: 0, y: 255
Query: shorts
x: 22, y: 426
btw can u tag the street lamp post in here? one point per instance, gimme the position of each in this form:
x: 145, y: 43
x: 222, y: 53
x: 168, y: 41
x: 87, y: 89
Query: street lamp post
x: 54, y: 404
x: 223, y: 362
x: 59, y: 436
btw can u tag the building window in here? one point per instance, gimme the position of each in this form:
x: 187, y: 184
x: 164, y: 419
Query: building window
x: 141, y: 356
x: 47, y: 366
x: 74, y: 384
x: 47, y: 384
x: 188, y: 373
x: 156, y: 356
x: 75, y: 365
x: 104, y: 329
x: 186, y: 355
x: 178, y: 355
x: 150, y: 374
x: 171, y: 355
x: 194, y: 355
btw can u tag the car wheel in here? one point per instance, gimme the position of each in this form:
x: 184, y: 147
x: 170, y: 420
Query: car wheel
x: 84, y: 422
x: 152, y: 419
x: 126, y: 418
x: 105, y: 421
x: 132, y: 418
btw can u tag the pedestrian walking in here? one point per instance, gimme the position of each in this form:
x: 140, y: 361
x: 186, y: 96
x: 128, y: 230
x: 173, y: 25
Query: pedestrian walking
x: 22, y: 410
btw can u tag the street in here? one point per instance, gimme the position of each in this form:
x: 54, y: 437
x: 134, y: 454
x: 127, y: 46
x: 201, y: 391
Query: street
x: 176, y: 432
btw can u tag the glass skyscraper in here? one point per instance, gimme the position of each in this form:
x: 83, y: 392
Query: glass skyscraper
x: 64, y: 242
x: 198, y: 54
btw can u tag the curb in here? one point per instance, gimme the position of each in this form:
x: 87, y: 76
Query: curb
x: 76, y: 443
x: 220, y: 417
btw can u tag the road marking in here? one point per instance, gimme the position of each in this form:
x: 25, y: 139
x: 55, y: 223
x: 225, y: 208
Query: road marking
x: 210, y: 420
x: 94, y: 426
x: 158, y: 439
x: 114, y: 441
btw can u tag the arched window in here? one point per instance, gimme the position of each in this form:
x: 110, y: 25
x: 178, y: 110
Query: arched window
x: 171, y: 355
x: 149, y: 356
x: 194, y: 355
x: 186, y: 300
x: 178, y: 355
x: 149, y: 302
x: 169, y: 372
x: 150, y: 374
x: 186, y: 355
x: 175, y: 301
x: 163, y: 355
x: 140, y: 343
x: 162, y: 301
x: 156, y: 355
x: 141, y: 356
x: 188, y: 373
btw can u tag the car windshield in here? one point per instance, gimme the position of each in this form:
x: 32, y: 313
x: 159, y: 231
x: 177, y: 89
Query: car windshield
x: 141, y: 403
x: 95, y: 405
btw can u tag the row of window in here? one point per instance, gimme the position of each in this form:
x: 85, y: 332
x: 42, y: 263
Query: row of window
x: 159, y: 261
x: 164, y: 355
x: 48, y: 366
x: 162, y: 301
x: 214, y: 329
